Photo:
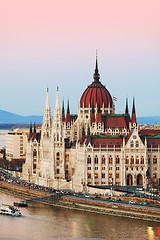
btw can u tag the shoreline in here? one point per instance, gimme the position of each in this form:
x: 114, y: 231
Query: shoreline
x: 81, y: 204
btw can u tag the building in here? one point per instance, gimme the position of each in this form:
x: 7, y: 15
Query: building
x: 16, y: 144
x: 96, y: 147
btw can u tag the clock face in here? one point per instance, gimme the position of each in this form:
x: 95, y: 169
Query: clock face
x: 134, y: 137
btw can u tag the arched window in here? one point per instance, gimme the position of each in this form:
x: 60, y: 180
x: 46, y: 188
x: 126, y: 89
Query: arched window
x: 137, y: 144
x: 132, y: 144
x: 117, y: 159
x: 110, y: 159
x: 132, y: 160
x: 142, y: 160
x: 89, y: 159
x: 96, y: 159
x: 103, y: 160
x: 137, y: 160
x: 89, y: 175
x: 58, y: 156
x: 127, y: 160
x: 155, y: 160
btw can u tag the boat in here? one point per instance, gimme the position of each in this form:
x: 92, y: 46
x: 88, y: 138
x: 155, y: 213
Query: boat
x: 9, y: 210
x: 21, y: 204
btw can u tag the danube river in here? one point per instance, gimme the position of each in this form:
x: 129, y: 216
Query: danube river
x: 44, y: 222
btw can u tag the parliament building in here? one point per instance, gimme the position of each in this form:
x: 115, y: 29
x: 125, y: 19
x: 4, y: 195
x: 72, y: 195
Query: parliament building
x: 97, y: 147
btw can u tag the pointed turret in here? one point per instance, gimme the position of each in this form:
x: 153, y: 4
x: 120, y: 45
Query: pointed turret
x: 133, y: 119
x: 96, y: 75
x: 126, y: 110
x: 68, y: 118
x: 83, y: 131
x: 47, y: 119
x: 63, y: 112
x: 92, y: 113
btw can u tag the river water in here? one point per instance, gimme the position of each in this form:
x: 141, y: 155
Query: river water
x: 40, y: 221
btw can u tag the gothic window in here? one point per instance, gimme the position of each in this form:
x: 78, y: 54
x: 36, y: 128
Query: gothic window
x: 127, y: 160
x: 96, y: 175
x: 58, y: 170
x: 117, y: 159
x: 103, y: 175
x: 67, y: 157
x: 137, y: 144
x: 57, y: 137
x: 89, y: 175
x: 132, y: 144
x: 142, y: 160
x: 110, y: 159
x: 89, y: 159
x: 117, y: 175
x: 155, y: 160
x: 34, y: 153
x: 103, y: 160
x: 132, y: 160
x: 58, y: 156
x: 137, y: 160
x: 110, y: 175
x: 96, y: 159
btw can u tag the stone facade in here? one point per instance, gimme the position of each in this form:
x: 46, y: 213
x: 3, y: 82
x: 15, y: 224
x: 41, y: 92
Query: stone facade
x: 97, y: 147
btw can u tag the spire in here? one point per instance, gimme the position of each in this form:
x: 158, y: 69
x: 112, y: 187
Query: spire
x: 30, y: 129
x: 57, y: 106
x: 133, y: 119
x: 88, y: 131
x: 68, y: 110
x: 96, y: 75
x: 63, y: 112
x: 47, y: 100
x: 83, y: 130
x: 34, y: 127
x: 126, y: 111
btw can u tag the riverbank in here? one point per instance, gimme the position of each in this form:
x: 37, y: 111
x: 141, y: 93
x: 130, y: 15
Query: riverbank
x: 81, y: 204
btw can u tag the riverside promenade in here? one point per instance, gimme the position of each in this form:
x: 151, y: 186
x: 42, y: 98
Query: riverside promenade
x: 82, y: 204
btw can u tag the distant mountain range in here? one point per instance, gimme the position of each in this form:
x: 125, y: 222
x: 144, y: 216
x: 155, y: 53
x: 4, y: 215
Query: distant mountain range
x: 11, y: 118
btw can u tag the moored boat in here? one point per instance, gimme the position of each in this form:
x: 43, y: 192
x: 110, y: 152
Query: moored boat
x: 20, y: 204
x: 9, y: 210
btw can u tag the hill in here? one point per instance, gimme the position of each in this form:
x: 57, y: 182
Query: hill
x: 11, y: 118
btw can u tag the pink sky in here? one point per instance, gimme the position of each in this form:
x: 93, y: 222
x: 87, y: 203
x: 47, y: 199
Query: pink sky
x: 47, y: 42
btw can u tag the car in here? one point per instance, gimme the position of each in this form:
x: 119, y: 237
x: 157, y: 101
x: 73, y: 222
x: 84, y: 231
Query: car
x: 132, y: 202
x: 143, y: 203
x: 86, y: 196
x: 113, y: 200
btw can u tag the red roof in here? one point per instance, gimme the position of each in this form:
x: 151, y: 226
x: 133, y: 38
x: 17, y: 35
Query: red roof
x: 117, y: 121
x: 96, y: 93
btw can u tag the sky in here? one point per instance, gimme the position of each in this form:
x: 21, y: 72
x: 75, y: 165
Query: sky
x: 53, y: 43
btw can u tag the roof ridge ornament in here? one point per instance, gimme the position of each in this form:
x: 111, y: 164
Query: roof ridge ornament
x: 96, y: 75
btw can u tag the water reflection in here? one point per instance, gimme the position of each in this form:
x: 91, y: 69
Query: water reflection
x: 44, y: 222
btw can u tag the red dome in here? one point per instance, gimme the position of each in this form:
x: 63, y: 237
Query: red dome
x: 96, y: 93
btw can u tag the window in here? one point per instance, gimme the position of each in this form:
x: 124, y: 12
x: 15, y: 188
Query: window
x: 132, y: 144
x: 67, y: 157
x: 89, y: 175
x: 117, y: 168
x: 137, y: 144
x: 96, y: 168
x: 117, y: 175
x: 154, y: 168
x: 110, y: 175
x: 110, y: 168
x: 96, y: 175
x: 127, y: 160
x: 34, y: 153
x: 103, y: 168
x: 142, y: 160
x: 132, y: 160
x: 155, y: 160
x: 58, y: 170
x: 89, y: 168
x: 103, y: 159
x: 154, y: 175
x: 89, y: 160
x: 96, y: 160
x: 117, y: 159
x: 58, y: 156
x: 110, y: 159
x: 137, y: 160
x: 103, y: 175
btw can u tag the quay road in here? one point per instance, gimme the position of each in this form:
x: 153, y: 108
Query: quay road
x: 6, y: 177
